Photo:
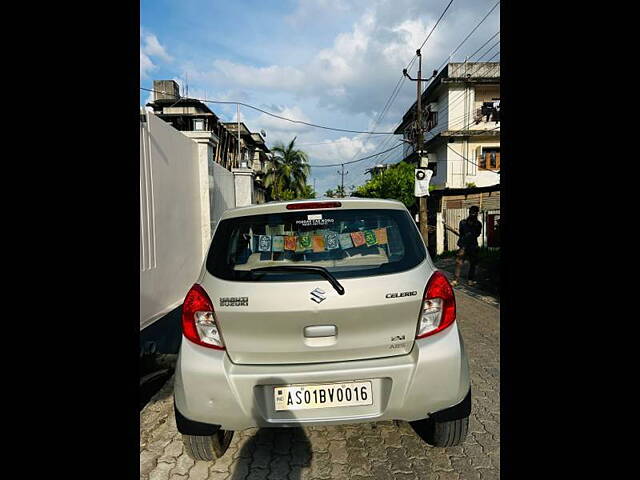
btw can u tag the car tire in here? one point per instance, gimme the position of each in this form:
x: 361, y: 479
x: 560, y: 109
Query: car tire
x: 207, y: 448
x: 442, y: 434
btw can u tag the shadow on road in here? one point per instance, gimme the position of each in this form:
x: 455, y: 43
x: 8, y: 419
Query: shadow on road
x: 283, y: 452
x: 159, y: 346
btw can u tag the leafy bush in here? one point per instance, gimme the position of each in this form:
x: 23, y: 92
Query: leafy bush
x: 394, y: 183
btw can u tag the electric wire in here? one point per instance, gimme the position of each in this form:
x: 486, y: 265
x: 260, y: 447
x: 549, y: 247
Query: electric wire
x: 277, y: 116
x: 456, y: 100
x: 355, y: 161
x: 383, y: 143
x: 457, y: 48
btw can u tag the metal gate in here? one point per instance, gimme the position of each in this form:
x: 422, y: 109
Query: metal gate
x: 452, y: 217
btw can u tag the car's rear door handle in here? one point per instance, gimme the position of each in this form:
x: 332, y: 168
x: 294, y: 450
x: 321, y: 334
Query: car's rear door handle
x: 313, y: 331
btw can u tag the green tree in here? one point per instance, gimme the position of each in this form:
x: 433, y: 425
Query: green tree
x: 396, y: 183
x: 287, y: 171
x: 308, y: 192
x: 339, y: 192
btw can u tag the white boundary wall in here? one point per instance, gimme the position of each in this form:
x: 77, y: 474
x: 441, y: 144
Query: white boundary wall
x: 222, y: 193
x: 171, y: 234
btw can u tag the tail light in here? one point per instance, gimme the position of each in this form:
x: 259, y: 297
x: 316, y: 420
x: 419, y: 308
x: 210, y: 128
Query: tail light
x: 438, y: 307
x: 199, y: 321
x: 313, y: 205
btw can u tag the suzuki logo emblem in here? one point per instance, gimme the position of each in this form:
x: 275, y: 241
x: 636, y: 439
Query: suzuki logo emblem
x: 317, y: 295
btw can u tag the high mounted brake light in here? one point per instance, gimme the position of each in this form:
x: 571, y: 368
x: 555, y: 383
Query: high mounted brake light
x: 438, y: 307
x: 198, y: 319
x: 314, y: 205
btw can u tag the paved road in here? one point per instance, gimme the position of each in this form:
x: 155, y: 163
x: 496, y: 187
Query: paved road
x: 380, y: 450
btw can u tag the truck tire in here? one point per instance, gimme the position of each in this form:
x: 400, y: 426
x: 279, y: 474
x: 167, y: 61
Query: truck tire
x: 442, y: 434
x: 207, y: 448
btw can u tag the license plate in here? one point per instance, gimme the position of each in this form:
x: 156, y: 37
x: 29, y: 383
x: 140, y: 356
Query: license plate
x: 300, y: 397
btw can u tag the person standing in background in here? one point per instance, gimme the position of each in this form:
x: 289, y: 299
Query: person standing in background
x: 469, y: 231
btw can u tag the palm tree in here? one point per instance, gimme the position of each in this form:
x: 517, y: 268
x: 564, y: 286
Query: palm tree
x: 288, y: 170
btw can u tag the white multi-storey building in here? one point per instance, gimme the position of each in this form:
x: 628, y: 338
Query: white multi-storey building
x: 461, y: 121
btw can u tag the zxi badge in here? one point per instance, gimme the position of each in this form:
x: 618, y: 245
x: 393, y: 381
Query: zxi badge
x: 318, y: 295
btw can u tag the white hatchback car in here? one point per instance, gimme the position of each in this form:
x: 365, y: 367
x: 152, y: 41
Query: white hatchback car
x: 319, y: 313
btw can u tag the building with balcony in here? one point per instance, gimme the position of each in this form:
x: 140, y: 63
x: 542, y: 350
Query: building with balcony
x: 195, y: 120
x: 245, y: 155
x: 461, y: 126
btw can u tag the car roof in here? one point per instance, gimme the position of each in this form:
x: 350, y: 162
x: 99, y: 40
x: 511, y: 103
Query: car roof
x: 346, y: 204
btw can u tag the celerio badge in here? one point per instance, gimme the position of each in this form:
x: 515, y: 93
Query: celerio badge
x: 401, y: 294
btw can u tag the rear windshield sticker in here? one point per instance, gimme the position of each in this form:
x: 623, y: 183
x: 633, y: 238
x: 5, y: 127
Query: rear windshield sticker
x: 345, y: 241
x: 304, y: 242
x: 358, y: 238
x: 381, y: 235
x: 313, y: 222
x: 332, y: 240
x: 290, y: 242
x: 318, y: 243
x: 370, y: 238
x: 264, y: 244
x: 315, y: 217
x: 277, y: 243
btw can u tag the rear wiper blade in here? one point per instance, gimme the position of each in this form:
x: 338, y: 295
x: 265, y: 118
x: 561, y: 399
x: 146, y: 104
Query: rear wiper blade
x: 305, y: 269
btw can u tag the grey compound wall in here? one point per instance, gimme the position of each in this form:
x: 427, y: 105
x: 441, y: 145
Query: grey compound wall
x: 171, y: 242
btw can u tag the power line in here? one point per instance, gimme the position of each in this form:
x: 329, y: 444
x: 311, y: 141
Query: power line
x: 464, y: 117
x: 434, y: 27
x: 456, y: 100
x: 471, y: 162
x: 459, y: 97
x: 327, y: 143
x: 355, y: 161
x: 277, y: 116
x: 400, y: 82
x: 458, y: 47
x: 465, y: 39
x: 470, y: 33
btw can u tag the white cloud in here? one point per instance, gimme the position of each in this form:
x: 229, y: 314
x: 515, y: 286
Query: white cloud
x: 341, y: 75
x: 311, y: 10
x: 294, y: 113
x: 151, y: 47
x: 274, y: 76
x: 146, y: 65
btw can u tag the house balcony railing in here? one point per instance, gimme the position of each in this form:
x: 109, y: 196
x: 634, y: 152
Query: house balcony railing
x: 486, y: 115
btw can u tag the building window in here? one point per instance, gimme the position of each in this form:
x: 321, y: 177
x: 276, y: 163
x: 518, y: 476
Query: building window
x: 198, y: 124
x: 489, y: 159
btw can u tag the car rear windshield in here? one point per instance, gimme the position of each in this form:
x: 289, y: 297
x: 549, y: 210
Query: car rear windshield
x: 347, y: 242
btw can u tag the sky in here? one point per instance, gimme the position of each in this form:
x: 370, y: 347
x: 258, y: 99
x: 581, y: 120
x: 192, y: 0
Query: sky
x: 329, y: 62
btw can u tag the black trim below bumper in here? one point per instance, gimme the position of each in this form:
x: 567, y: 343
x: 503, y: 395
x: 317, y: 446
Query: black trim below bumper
x: 461, y: 410
x: 191, y: 427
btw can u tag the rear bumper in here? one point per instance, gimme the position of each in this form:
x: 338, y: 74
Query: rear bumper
x: 210, y: 389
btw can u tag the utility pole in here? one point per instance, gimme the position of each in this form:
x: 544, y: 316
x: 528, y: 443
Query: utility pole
x: 423, y: 161
x: 238, y: 119
x: 342, y: 173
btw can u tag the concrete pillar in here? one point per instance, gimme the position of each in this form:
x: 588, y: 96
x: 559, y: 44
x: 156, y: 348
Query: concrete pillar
x: 440, y: 233
x: 206, y: 142
x: 243, y: 180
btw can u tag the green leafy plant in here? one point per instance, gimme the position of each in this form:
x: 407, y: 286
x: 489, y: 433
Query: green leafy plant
x: 287, y: 172
x: 396, y: 182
